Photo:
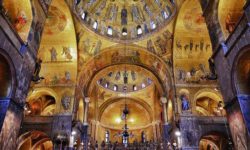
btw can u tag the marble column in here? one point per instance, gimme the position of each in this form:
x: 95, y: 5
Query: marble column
x: 164, y: 108
x: 86, y: 110
x: 166, y: 125
x: 85, y: 121
x: 158, y: 129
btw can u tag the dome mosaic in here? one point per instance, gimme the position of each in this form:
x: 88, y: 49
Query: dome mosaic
x: 125, y: 20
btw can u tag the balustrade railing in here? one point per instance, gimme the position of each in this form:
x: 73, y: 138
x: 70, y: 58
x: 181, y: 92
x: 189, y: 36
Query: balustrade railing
x: 130, y: 146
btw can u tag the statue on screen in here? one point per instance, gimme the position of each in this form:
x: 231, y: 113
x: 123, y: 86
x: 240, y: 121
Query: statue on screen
x: 36, y: 77
x: 184, y: 102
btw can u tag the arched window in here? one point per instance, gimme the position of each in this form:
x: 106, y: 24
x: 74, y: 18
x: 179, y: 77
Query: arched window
x: 149, y: 81
x: 124, y: 32
x: 134, y: 87
x: 152, y: 25
x: 164, y: 14
x: 139, y: 30
x: 84, y: 15
x: 95, y: 25
x: 100, y: 81
x: 115, y: 87
x: 106, y: 84
x: 143, y: 85
x: 110, y: 30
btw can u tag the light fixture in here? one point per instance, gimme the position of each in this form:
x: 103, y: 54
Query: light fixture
x: 178, y: 133
x: 118, y: 120
x: 174, y: 144
x: 132, y: 120
x: 124, y: 116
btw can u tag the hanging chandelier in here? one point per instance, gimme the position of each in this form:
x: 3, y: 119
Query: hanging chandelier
x: 125, y: 112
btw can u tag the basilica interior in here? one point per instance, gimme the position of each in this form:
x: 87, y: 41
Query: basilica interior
x: 125, y: 74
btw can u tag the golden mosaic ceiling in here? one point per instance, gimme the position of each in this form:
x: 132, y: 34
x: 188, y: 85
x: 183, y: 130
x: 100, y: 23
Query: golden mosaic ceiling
x: 125, y: 20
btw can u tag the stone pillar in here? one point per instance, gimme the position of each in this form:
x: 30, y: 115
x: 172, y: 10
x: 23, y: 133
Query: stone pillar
x: 191, y: 132
x: 86, y: 110
x: 164, y: 108
x: 154, y: 131
x: 10, y: 122
x: 238, y: 127
x: 85, y: 121
x: 158, y: 131
x: 93, y: 122
x: 166, y: 126
x: 61, y: 131
x: 210, y: 13
x: 96, y: 130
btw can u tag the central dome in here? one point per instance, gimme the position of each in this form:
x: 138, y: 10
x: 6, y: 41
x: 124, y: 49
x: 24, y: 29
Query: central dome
x: 125, y: 20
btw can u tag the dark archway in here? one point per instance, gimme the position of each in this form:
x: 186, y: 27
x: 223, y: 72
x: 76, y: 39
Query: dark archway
x: 34, y: 140
x: 5, y: 78
x: 214, y: 141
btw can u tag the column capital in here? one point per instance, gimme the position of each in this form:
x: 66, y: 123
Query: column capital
x: 85, y: 124
x: 164, y: 100
x: 98, y: 123
x: 86, y: 99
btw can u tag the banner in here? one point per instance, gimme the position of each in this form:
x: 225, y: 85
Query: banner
x: 4, y: 104
x: 244, y: 101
